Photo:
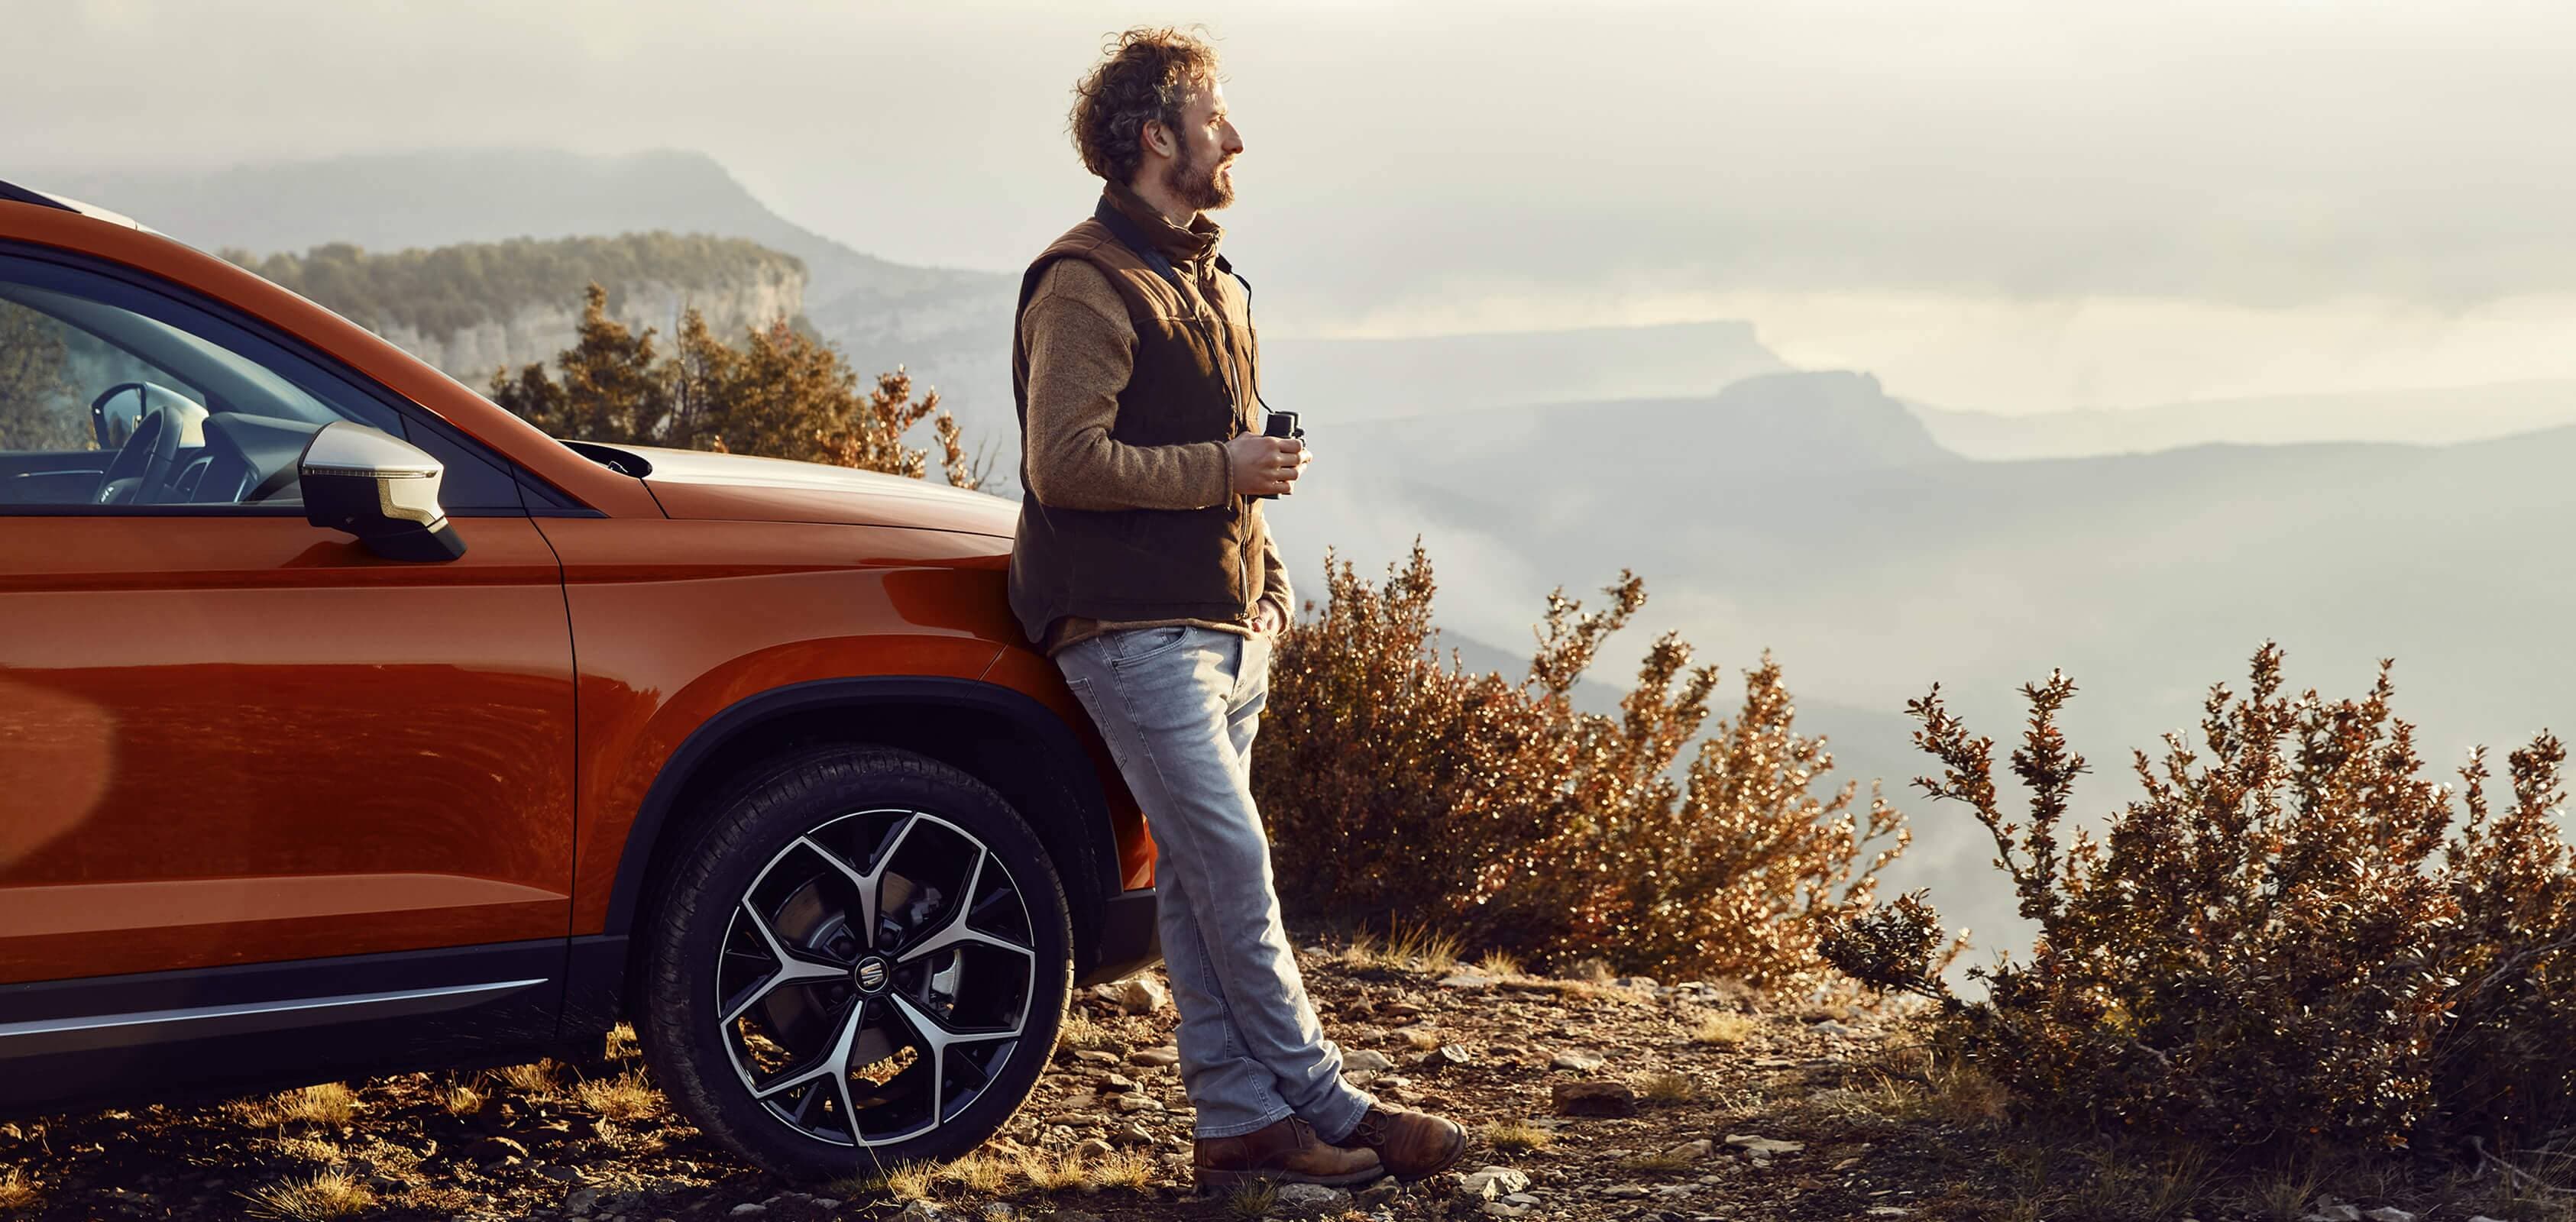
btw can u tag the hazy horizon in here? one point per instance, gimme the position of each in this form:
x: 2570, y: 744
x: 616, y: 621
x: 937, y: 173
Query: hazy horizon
x: 1996, y: 207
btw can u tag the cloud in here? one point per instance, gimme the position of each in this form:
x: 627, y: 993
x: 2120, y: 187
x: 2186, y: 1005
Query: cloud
x: 2260, y: 154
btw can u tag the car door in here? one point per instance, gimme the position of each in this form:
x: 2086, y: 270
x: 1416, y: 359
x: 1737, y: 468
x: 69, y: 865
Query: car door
x: 254, y: 775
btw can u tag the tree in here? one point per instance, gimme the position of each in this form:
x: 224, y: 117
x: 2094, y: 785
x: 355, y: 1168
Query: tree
x: 782, y: 394
x: 36, y: 400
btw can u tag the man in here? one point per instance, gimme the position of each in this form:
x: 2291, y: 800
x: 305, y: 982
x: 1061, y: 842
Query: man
x: 1144, y: 568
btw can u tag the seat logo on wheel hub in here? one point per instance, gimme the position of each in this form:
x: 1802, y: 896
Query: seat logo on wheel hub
x: 871, y: 974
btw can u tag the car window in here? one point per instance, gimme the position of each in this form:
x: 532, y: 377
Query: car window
x: 115, y: 398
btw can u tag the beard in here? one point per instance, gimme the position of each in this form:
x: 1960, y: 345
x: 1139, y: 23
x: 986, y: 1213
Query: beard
x: 1204, y: 186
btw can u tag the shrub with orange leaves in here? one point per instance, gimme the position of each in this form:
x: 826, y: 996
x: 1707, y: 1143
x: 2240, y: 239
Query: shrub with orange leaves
x: 2288, y: 943
x: 1399, y: 788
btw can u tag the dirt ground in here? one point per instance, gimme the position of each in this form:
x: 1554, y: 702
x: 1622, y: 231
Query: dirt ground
x: 1106, y: 1133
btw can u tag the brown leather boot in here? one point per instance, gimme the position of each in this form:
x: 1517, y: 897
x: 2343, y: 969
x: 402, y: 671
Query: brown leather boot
x: 1287, y: 1151
x: 1411, y: 1144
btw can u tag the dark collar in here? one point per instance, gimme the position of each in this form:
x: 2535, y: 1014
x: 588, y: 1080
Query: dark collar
x: 1171, y: 241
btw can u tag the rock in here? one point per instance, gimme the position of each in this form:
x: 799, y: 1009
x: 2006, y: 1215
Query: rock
x: 1889, y: 1211
x: 1594, y: 1099
x: 1377, y: 1194
x: 1139, y: 1103
x: 1446, y: 1056
x: 1142, y: 995
x: 1693, y: 1149
x: 1634, y: 982
x: 1073, y: 1215
x: 1624, y: 1192
x: 1466, y: 980
x: 913, y: 1211
x: 1094, y: 1148
x: 1308, y: 1200
x: 1490, y: 1183
x: 1367, y: 1059
x: 2389, y: 1213
x: 749, y: 1210
x: 1580, y: 1060
x: 1506, y: 1209
x: 997, y: 1211
x: 560, y: 1175
x: 579, y: 1200
x: 493, y: 1149
x: 1832, y: 1028
x: 1153, y: 1058
x: 827, y: 1203
x: 1093, y: 1056
x: 2334, y: 1213
x: 1764, y: 1146
x: 1120, y: 1082
x: 1132, y: 1135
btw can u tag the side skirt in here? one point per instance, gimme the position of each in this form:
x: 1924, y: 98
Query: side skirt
x: 167, y: 1036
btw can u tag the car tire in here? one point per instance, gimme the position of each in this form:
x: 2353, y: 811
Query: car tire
x: 790, y: 1008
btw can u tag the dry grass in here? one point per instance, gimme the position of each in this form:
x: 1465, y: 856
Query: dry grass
x: 328, y: 1195
x: 1420, y: 1039
x: 18, y: 1193
x: 1083, y: 1033
x: 1664, y: 1161
x: 1417, y: 947
x: 331, y: 1103
x: 979, y: 1172
x: 901, y: 1181
x: 458, y: 1099
x: 1724, y: 1028
x: 535, y: 1080
x: 1500, y: 965
x: 1668, y: 1088
x: 1253, y: 1200
x: 625, y: 1097
x: 1128, y: 1169
x: 1055, y: 1173
x: 1412, y: 948
x: 622, y: 1043
x: 1513, y: 1137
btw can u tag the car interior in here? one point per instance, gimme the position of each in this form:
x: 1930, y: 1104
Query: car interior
x: 171, y: 419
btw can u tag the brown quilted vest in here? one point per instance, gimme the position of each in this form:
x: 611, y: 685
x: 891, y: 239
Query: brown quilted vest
x: 1192, y: 382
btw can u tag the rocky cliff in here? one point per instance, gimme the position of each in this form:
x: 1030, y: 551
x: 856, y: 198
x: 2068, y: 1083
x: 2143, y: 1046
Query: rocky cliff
x: 473, y: 308
x: 536, y: 331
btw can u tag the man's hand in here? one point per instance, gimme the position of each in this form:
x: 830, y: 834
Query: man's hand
x: 1265, y: 466
x: 1268, y: 620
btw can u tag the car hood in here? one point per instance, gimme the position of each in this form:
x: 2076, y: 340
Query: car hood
x: 739, y: 487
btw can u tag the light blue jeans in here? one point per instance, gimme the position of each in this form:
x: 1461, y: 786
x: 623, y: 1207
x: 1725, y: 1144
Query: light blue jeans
x: 1179, y: 707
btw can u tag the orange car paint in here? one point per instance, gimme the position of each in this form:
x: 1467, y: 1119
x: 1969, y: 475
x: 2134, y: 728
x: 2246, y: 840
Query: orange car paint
x: 484, y: 729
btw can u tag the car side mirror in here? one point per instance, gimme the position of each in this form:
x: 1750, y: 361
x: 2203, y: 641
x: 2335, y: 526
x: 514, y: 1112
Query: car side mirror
x: 378, y: 487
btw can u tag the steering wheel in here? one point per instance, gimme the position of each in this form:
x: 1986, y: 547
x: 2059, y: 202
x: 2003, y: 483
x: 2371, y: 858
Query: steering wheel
x: 148, y: 453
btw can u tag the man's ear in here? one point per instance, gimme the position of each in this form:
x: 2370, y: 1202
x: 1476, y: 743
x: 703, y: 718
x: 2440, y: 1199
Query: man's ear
x: 1157, y: 137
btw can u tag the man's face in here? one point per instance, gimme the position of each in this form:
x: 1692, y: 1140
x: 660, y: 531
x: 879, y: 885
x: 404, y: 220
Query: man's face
x: 1201, y: 172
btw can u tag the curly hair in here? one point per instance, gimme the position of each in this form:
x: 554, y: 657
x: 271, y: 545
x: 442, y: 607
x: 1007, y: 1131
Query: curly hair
x: 1146, y: 74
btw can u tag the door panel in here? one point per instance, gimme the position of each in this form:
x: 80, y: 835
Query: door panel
x: 240, y: 738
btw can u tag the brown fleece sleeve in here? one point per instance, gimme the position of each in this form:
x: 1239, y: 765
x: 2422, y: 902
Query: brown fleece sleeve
x: 1081, y: 350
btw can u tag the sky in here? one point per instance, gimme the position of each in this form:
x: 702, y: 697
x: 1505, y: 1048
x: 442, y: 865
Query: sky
x: 2002, y: 206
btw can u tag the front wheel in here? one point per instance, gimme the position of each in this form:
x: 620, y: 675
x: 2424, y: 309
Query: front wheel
x: 861, y: 957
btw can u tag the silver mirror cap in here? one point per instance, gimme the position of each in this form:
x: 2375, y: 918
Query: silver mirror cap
x: 345, y: 447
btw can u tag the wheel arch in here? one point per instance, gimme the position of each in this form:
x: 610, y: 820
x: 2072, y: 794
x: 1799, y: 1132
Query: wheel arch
x: 1000, y: 736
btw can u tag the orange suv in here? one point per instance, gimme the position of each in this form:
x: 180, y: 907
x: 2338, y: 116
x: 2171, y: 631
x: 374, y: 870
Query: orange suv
x: 350, y: 725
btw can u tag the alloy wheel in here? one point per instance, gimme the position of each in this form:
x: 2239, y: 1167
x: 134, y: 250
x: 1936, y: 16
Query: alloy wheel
x: 875, y: 977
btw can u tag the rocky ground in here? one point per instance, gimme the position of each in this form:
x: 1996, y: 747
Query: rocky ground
x: 1626, y: 1099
